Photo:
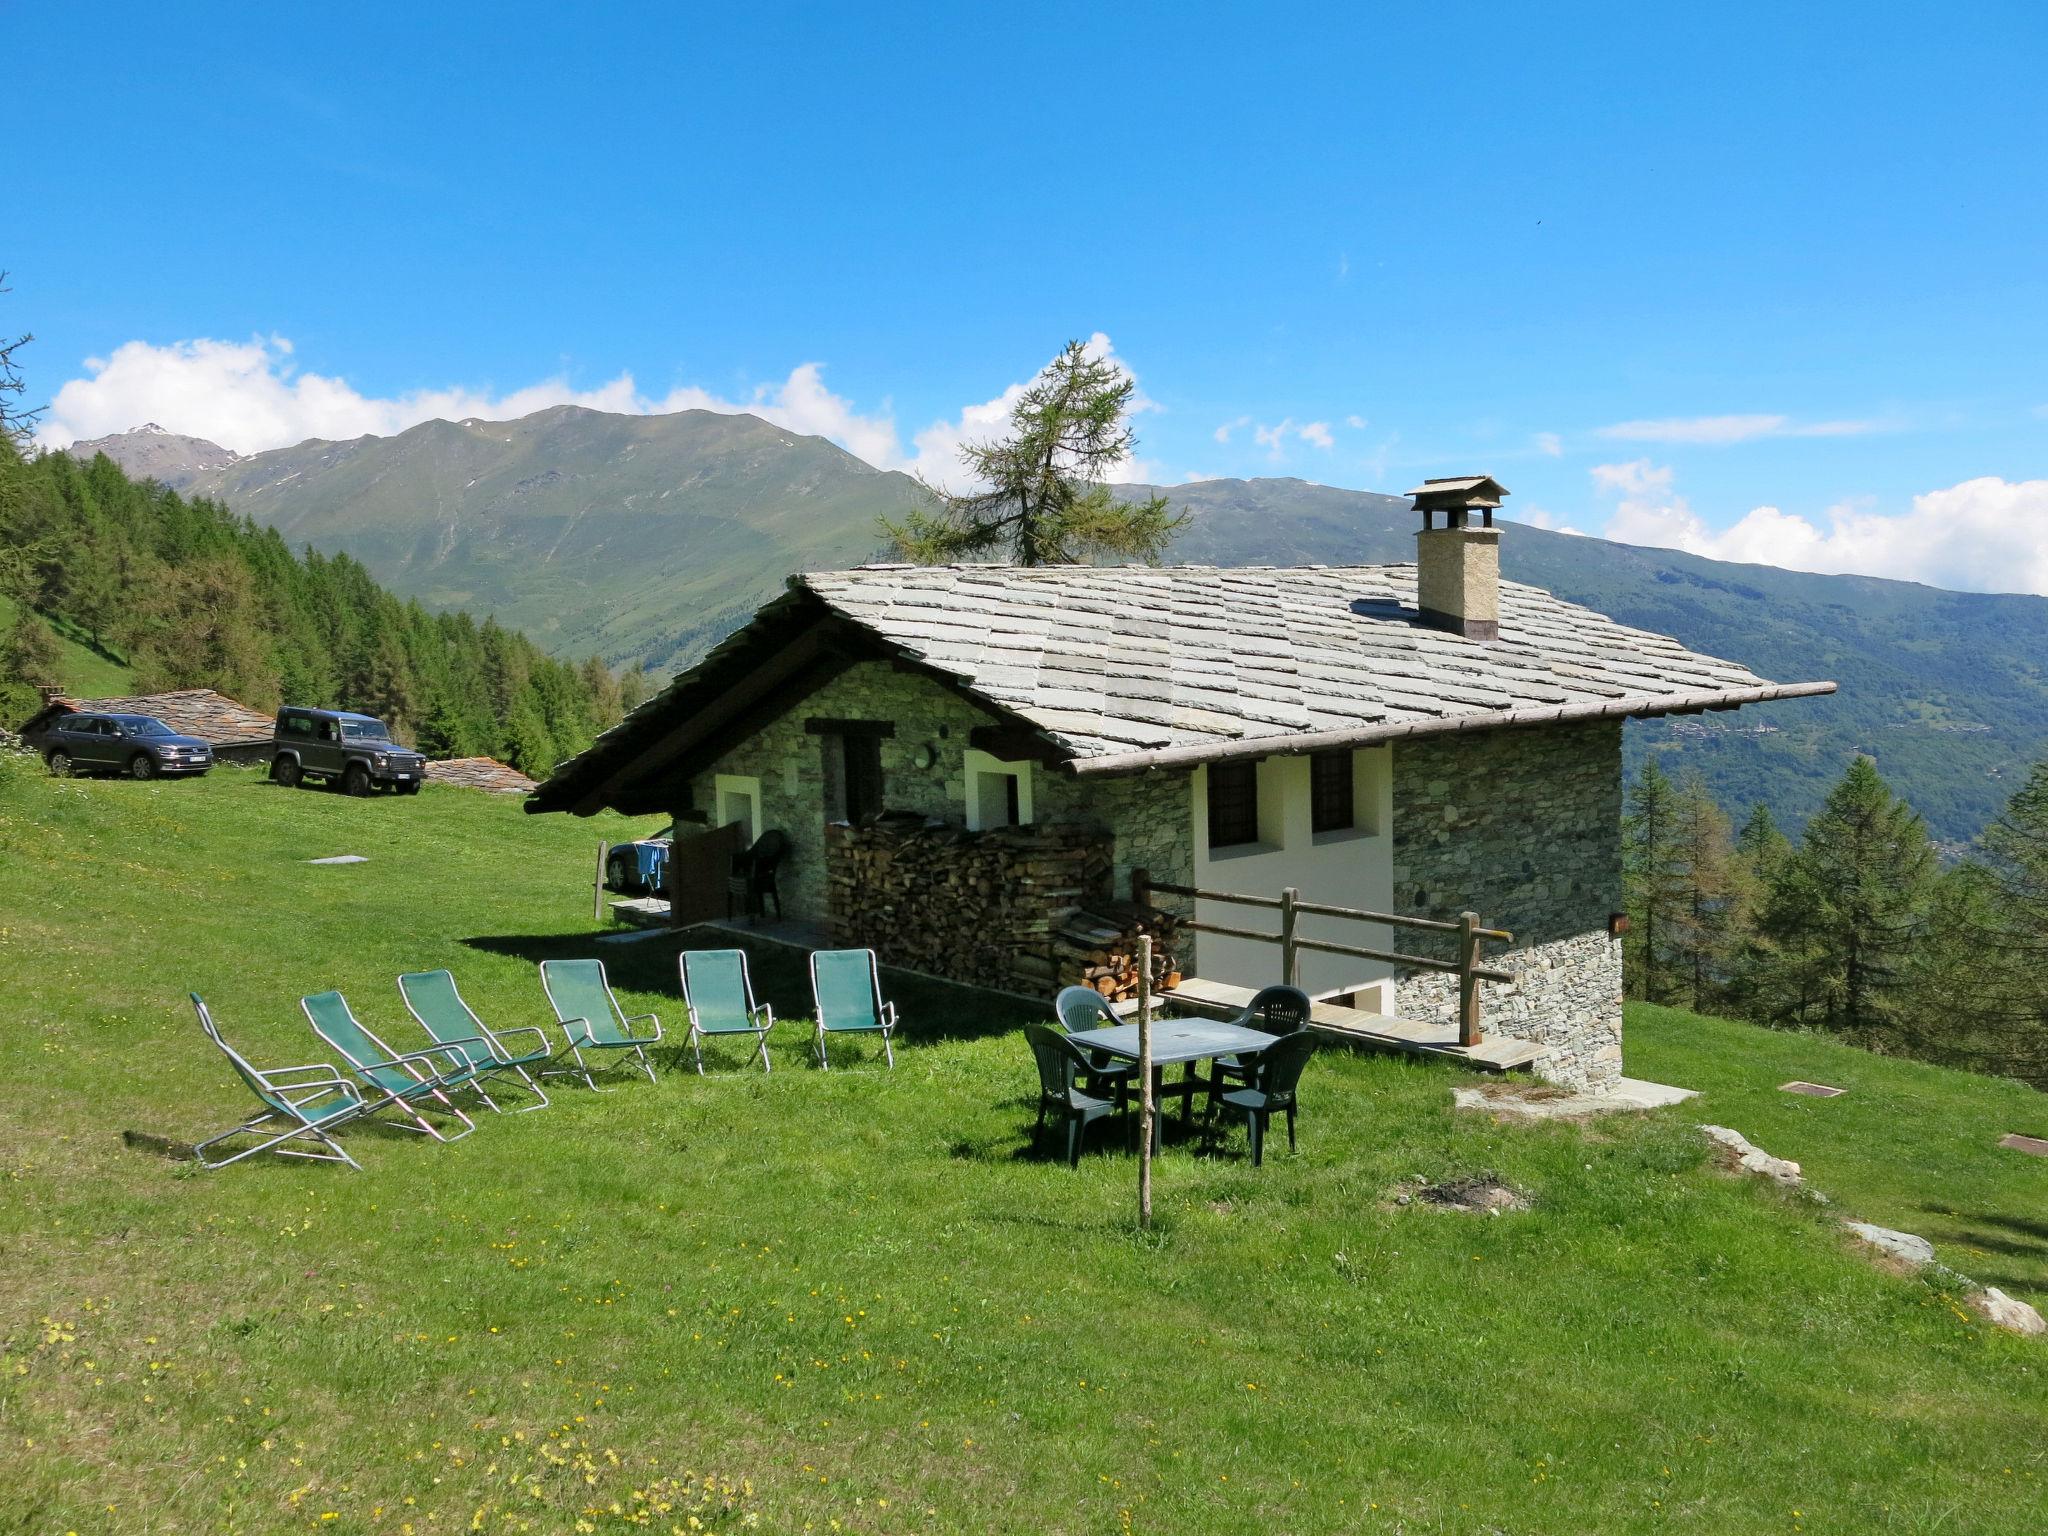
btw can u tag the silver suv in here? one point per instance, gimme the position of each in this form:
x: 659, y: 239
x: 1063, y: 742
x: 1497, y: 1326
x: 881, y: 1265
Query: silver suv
x: 336, y: 746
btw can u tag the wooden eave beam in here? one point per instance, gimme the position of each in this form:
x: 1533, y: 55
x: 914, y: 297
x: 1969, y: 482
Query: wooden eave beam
x: 762, y: 678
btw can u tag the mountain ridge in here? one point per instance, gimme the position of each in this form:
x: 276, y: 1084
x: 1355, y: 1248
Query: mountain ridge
x: 647, y: 537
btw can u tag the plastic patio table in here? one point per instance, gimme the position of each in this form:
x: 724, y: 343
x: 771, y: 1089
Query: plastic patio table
x: 1176, y: 1040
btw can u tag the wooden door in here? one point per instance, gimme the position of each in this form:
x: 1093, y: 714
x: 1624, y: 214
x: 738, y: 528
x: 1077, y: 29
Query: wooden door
x: 697, y: 868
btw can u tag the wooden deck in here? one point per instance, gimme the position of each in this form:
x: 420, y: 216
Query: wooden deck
x: 1380, y: 1031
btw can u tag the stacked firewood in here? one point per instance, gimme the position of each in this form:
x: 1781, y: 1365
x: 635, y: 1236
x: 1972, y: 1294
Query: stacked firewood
x: 1098, y: 947
x: 980, y: 907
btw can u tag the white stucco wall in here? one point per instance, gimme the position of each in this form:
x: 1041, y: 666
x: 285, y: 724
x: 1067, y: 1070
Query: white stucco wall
x: 1345, y: 869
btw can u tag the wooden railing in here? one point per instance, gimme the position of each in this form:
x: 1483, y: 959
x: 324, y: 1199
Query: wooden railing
x: 1292, y: 908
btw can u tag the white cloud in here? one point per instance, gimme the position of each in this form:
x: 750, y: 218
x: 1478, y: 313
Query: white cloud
x: 1721, y: 430
x: 1549, y: 444
x: 251, y: 395
x: 1236, y: 424
x: 1536, y: 517
x: 1274, y: 438
x: 1981, y: 535
x: 1355, y: 422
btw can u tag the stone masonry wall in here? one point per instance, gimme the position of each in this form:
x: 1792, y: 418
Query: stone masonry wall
x: 1524, y: 828
x: 1148, y: 813
x: 790, y: 763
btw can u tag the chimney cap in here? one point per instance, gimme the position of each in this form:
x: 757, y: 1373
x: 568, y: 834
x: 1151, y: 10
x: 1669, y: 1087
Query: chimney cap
x: 1452, y: 492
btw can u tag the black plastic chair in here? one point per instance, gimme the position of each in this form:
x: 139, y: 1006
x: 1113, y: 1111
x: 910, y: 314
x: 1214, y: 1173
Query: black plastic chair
x: 1061, y: 1066
x: 1275, y: 1075
x: 1083, y: 1008
x: 768, y: 852
x: 1273, y: 1010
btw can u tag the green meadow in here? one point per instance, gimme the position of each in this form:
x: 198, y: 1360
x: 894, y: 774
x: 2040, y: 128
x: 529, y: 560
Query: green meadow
x: 859, y: 1301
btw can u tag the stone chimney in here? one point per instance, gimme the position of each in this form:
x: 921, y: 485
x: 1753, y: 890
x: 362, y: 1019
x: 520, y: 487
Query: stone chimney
x: 1457, y: 578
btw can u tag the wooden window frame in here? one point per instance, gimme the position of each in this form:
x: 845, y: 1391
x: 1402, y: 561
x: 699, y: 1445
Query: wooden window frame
x: 1332, y: 792
x: 1233, y: 804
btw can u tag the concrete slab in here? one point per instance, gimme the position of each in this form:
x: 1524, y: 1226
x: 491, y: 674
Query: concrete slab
x: 1538, y: 1101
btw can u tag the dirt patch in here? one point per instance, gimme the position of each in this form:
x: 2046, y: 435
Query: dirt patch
x: 1474, y: 1193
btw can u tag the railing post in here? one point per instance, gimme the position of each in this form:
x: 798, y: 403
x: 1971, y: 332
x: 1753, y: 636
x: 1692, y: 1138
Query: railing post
x: 1290, y: 957
x: 1468, y: 984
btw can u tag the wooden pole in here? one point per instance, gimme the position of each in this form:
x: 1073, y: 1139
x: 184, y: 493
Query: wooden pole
x: 1468, y: 980
x: 1145, y: 1082
x: 597, y: 885
x: 1290, y: 957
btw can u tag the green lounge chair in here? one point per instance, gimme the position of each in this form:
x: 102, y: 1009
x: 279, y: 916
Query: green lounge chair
x: 430, y: 997
x: 846, y: 988
x: 591, y: 1017
x: 400, y: 1079
x: 1062, y: 1068
x: 309, y: 1101
x: 1083, y: 1008
x: 718, y: 995
x: 1276, y: 1072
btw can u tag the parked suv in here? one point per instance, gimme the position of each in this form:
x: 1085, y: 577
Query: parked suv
x: 140, y: 746
x: 335, y: 746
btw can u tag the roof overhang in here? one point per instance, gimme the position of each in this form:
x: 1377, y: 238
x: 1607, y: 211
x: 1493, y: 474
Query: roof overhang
x: 793, y: 646
x: 1637, y: 706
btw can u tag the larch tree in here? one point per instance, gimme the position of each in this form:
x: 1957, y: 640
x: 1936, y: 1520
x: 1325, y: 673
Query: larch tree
x: 1652, y: 880
x: 1042, y: 495
x: 1701, y: 929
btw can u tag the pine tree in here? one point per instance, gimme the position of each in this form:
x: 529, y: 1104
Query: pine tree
x: 1845, y: 911
x: 1043, y: 497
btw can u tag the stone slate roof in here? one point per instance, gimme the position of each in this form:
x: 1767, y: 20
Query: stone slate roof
x: 485, y: 773
x: 213, y: 717
x: 1124, y: 668
x: 1121, y: 666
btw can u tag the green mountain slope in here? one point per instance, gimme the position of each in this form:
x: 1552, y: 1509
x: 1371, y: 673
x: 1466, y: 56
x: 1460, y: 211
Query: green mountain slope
x: 639, y: 537
x: 647, y: 537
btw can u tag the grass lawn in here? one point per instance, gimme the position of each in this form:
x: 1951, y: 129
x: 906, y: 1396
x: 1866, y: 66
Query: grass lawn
x: 1907, y: 1146
x: 854, y: 1301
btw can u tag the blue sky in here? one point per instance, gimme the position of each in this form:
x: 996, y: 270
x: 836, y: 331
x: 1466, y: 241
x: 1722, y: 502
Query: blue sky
x: 1656, y: 269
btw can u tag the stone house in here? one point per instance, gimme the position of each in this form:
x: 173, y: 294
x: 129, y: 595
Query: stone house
x: 1418, y: 739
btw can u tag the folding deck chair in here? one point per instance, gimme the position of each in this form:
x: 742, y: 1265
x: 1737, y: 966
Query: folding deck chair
x: 311, y: 1101
x: 430, y: 997
x: 846, y: 987
x: 591, y: 1017
x: 718, y: 995
x: 401, y: 1078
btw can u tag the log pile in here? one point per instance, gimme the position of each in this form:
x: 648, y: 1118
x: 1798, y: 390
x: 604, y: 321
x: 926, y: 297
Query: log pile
x: 1097, y: 947
x: 986, y: 908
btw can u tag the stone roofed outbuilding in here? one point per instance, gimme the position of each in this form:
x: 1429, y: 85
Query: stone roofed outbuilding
x: 1421, y: 739
x: 237, y: 733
